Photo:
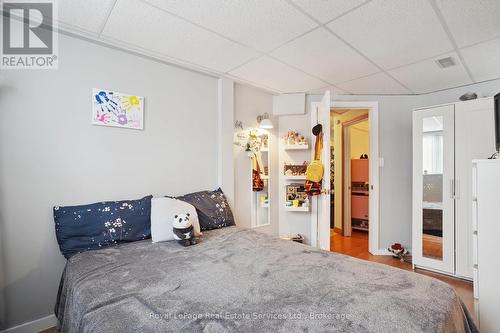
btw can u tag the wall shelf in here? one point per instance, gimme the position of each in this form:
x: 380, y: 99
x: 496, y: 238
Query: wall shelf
x: 294, y: 177
x: 295, y: 147
x: 297, y: 209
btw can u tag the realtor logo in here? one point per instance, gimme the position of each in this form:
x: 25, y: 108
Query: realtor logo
x: 29, y: 39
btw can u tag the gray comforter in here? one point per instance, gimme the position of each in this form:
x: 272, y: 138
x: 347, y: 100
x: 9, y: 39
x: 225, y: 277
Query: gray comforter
x: 240, y: 280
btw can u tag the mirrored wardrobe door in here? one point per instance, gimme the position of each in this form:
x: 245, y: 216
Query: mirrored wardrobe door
x: 433, y: 187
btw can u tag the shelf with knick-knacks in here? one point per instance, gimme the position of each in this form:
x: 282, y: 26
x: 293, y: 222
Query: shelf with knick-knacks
x: 294, y: 171
x: 293, y: 174
x: 297, y: 199
x: 294, y: 141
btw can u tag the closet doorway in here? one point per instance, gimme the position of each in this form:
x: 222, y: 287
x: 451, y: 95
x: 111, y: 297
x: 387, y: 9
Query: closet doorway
x: 351, y: 177
x: 321, y: 207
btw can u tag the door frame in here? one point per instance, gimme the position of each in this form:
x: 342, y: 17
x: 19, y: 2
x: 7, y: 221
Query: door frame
x: 374, y: 163
x: 346, y: 173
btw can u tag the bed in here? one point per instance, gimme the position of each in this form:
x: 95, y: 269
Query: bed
x: 236, y: 279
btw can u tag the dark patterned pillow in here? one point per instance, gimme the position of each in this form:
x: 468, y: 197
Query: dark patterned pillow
x: 94, y: 226
x: 212, y: 208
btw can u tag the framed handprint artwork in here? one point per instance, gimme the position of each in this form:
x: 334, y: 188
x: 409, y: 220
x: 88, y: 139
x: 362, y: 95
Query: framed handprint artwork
x: 111, y: 108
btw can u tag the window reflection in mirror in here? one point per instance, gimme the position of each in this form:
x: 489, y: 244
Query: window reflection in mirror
x: 432, y: 171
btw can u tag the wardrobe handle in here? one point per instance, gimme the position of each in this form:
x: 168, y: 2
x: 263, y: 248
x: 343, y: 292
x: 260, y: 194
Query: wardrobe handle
x: 452, y: 194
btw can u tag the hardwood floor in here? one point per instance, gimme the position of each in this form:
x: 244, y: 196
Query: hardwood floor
x: 357, y: 246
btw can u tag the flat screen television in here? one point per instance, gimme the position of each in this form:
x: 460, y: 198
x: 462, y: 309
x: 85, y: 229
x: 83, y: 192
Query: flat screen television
x: 497, y: 121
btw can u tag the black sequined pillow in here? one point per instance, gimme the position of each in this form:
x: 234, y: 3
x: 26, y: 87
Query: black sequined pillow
x: 102, y: 224
x: 212, y: 208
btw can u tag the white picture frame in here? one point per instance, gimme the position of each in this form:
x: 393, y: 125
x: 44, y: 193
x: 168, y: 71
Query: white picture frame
x: 116, y: 109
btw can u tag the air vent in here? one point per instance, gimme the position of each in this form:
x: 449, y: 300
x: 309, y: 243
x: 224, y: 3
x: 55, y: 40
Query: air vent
x: 445, y: 62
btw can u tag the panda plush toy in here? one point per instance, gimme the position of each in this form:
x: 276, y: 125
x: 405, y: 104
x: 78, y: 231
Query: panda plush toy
x: 183, y: 230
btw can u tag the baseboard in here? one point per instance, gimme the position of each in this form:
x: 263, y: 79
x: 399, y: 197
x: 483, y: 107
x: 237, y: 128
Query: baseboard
x: 381, y: 252
x: 385, y: 252
x: 33, y: 326
x: 338, y: 230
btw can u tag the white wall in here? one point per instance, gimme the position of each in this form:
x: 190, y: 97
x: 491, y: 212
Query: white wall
x: 248, y: 104
x: 395, y: 140
x: 484, y: 89
x: 50, y: 155
x: 395, y: 177
x: 225, y: 138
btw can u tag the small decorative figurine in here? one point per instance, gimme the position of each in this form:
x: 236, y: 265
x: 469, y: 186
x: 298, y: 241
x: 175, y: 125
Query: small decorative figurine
x: 183, y: 230
x: 398, y: 251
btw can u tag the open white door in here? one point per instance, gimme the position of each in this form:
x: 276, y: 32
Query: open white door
x: 320, y: 226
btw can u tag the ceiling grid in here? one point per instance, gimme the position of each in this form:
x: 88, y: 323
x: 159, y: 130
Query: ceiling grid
x: 350, y: 46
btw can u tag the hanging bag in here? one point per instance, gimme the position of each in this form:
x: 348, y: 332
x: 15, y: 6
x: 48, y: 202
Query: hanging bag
x: 315, y: 170
x: 257, y: 182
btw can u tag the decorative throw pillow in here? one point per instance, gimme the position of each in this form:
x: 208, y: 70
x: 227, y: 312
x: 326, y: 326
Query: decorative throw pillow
x: 163, y: 211
x: 212, y: 207
x: 94, y: 226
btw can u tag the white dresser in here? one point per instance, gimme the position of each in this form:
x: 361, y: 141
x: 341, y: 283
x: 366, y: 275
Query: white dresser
x: 486, y: 240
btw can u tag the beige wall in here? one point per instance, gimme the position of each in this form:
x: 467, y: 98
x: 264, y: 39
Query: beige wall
x: 360, y: 140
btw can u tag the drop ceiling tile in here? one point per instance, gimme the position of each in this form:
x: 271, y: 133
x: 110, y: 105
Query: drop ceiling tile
x: 88, y: 16
x: 326, y: 10
x: 394, y: 33
x: 376, y: 84
x: 325, y: 56
x: 427, y: 76
x: 471, y: 21
x: 483, y: 60
x: 338, y: 91
x: 333, y: 91
x: 263, y: 25
x: 142, y: 25
x: 270, y: 73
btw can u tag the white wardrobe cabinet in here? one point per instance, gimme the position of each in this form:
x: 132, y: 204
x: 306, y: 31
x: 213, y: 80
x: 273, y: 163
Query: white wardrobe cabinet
x: 486, y: 207
x: 446, y: 139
